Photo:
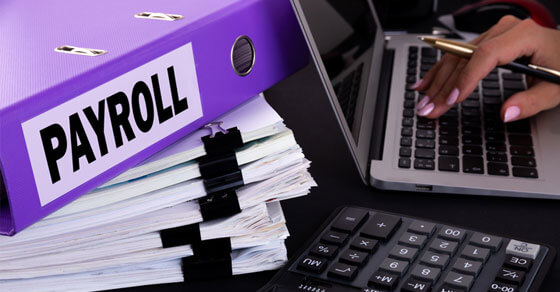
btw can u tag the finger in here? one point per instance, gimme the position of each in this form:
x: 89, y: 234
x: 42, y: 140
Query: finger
x: 447, y: 96
x: 519, y: 41
x: 423, y: 83
x: 446, y: 69
x: 542, y: 96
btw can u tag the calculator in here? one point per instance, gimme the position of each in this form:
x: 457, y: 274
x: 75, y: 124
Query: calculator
x: 364, y: 250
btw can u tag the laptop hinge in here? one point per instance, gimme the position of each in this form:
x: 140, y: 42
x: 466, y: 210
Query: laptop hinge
x: 380, y: 117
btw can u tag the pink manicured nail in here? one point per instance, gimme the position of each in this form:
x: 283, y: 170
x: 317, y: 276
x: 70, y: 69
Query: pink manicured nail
x: 426, y: 110
x: 416, y: 84
x: 452, y: 98
x: 512, y: 112
x: 423, y: 102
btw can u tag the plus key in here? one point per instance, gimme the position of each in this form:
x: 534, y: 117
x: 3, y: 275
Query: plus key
x: 381, y: 226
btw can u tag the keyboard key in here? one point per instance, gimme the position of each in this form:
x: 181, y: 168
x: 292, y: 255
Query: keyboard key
x: 409, y: 104
x: 408, y: 112
x: 429, y: 61
x: 449, y: 288
x: 523, y: 249
x: 452, y: 233
x: 484, y: 240
x: 406, y: 141
x: 409, y: 96
x: 448, y: 122
x: 406, y: 132
x: 425, y: 143
x: 448, y: 150
x: 448, y: 163
x: 425, y: 134
x: 514, y: 85
x: 495, y: 137
x: 524, y: 172
x: 381, y: 226
x: 443, y: 246
x: 407, y: 122
x: 491, y: 92
x: 473, y: 96
x: 448, y: 131
x: 473, y: 164
x: 495, y: 168
x: 501, y: 287
x: 521, y: 126
x: 413, y: 285
x: 521, y: 151
x: 523, y: 161
x: 491, y: 77
x: 490, y: 84
x: 435, y: 260
x: 448, y: 140
x: 424, y: 153
x: 413, y: 240
x: 349, y: 220
x: 470, y: 103
x: 312, y: 264
x: 343, y: 271
x: 424, y: 123
x: 475, y: 253
x: 471, y: 131
x: 472, y: 150
x: 512, y: 276
x: 459, y: 280
x: 512, y: 76
x: 429, y: 274
x: 333, y: 237
x: 353, y: 257
x: 324, y: 250
x: 492, y: 101
x: 394, y: 266
x: 403, y: 253
x: 404, y: 162
x: 383, y: 280
x: 428, y: 52
x: 412, y: 49
x: 421, y: 227
x: 405, y: 152
x: 496, y: 146
x: 424, y: 164
x: 472, y: 140
x: 470, y: 112
x: 364, y: 244
x: 493, y: 156
x: 522, y: 140
x: 468, y: 267
x: 518, y: 263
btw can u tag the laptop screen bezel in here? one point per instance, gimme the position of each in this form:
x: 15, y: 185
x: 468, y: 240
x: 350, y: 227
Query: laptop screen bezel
x: 360, y: 151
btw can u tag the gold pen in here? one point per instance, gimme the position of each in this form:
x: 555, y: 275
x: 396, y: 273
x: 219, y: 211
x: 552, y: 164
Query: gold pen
x: 466, y: 50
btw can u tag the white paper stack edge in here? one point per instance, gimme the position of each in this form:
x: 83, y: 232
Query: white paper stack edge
x: 110, y: 238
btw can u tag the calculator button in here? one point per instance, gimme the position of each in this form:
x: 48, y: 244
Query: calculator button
x: 381, y: 226
x: 421, y: 227
x: 349, y: 220
x: 484, y: 240
x: 468, y: 267
x: 414, y: 285
x: 523, y: 249
x: 364, y: 244
x: 334, y: 237
x: 394, y: 266
x: 343, y: 271
x: 425, y: 273
x: 500, y: 287
x: 403, y: 253
x: 312, y: 264
x: 434, y: 259
x: 510, y: 276
x: 443, y: 246
x: 459, y: 280
x: 324, y: 250
x: 413, y: 240
x: 353, y: 257
x: 452, y: 233
x: 449, y: 288
x: 475, y: 253
x: 383, y: 280
x: 518, y: 263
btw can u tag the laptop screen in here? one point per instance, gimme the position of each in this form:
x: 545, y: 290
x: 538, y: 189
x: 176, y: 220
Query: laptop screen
x: 344, y: 33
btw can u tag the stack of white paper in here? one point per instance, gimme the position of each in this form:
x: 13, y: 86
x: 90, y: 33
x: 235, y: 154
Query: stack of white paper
x: 110, y: 238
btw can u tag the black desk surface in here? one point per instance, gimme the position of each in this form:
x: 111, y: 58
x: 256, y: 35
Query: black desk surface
x: 301, y: 101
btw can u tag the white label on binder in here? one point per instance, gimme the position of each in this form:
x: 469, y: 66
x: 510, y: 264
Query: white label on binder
x: 80, y: 139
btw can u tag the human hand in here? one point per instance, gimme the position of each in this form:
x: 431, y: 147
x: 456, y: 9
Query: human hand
x: 453, y: 78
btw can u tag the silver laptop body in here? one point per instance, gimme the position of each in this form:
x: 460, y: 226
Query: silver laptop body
x: 347, y: 43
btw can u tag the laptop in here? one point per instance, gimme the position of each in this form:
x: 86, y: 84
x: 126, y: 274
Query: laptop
x: 469, y: 150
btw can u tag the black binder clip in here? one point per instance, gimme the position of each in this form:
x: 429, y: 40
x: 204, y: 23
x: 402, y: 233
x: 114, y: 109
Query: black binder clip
x: 220, y: 172
x: 211, y: 259
x: 178, y: 236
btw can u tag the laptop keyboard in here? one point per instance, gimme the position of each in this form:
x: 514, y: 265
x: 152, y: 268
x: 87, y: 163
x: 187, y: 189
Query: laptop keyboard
x: 470, y: 137
x: 347, y: 93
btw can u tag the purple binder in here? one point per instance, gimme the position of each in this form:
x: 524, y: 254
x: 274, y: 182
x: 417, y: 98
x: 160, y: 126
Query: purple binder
x: 90, y: 89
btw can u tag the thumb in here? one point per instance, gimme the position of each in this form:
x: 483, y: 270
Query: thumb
x: 541, y: 96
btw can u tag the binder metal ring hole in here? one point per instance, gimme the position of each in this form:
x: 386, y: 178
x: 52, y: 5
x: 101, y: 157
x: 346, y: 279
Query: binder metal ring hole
x: 79, y: 51
x: 243, y: 55
x: 158, y: 16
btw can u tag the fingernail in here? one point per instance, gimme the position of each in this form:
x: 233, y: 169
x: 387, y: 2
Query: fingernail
x: 416, y: 84
x: 423, y: 102
x: 452, y: 98
x: 512, y: 113
x: 426, y: 110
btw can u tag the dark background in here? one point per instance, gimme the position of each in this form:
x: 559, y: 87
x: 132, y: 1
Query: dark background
x: 301, y: 101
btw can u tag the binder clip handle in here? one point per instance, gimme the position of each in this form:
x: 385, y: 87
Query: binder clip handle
x: 216, y: 127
